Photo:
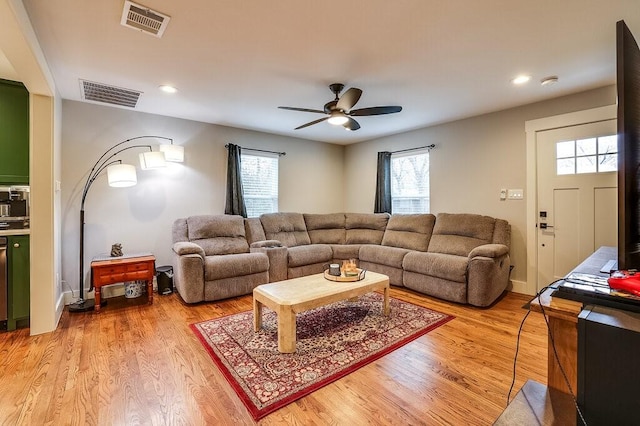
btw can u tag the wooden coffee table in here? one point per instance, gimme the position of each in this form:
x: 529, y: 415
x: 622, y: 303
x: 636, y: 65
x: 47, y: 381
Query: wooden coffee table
x: 289, y: 297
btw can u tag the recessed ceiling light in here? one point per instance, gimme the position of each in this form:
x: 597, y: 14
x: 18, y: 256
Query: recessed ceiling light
x: 167, y: 88
x: 549, y: 80
x: 521, y: 79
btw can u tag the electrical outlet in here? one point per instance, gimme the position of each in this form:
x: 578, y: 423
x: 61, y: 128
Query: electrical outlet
x: 503, y: 194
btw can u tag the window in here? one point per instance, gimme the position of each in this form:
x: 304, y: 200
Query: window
x: 260, y: 183
x: 593, y: 155
x: 410, y: 182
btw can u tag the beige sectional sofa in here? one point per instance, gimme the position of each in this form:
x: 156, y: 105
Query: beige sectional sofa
x: 457, y: 257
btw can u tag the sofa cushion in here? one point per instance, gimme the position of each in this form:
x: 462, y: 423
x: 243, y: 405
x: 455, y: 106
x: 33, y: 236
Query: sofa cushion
x: 383, y: 255
x: 253, y: 230
x: 458, y: 234
x: 218, y: 234
x: 409, y: 231
x: 288, y: 228
x: 346, y: 251
x: 365, y: 228
x: 447, y: 266
x: 326, y: 228
x: 308, y: 255
x: 234, y: 265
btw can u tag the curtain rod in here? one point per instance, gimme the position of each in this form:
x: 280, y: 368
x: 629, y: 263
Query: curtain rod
x: 413, y: 149
x: 260, y: 150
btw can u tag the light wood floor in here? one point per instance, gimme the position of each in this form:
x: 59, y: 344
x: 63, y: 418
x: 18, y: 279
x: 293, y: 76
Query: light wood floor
x: 139, y: 364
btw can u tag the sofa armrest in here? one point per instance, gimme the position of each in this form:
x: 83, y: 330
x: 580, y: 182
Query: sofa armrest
x: 188, y: 273
x: 278, y: 258
x: 184, y: 247
x: 492, y: 251
x: 488, y: 273
x: 266, y: 244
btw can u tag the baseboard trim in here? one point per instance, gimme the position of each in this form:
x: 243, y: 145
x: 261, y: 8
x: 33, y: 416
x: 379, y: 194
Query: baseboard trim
x: 107, y: 292
x: 516, y: 286
x: 68, y: 298
x: 60, y: 304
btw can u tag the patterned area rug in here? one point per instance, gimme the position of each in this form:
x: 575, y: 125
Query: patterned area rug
x: 332, y: 342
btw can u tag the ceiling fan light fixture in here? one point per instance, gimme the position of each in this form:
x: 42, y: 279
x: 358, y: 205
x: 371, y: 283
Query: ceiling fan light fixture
x: 337, y: 118
x: 339, y: 111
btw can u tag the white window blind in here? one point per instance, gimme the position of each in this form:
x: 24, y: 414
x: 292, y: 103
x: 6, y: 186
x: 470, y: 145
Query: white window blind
x: 260, y: 183
x: 410, y: 182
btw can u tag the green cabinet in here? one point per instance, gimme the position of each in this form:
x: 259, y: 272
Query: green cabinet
x: 18, y: 277
x: 14, y: 133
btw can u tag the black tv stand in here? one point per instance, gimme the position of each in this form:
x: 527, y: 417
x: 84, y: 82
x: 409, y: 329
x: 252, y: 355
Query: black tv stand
x: 608, y: 346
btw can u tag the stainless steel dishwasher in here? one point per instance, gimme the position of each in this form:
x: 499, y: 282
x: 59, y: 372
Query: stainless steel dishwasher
x: 3, y: 282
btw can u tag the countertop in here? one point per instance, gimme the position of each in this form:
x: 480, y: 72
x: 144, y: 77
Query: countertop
x: 8, y: 232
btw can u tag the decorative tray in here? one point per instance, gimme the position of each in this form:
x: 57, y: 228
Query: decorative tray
x: 346, y: 278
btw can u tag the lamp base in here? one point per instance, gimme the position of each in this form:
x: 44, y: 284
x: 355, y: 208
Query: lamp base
x: 84, y: 305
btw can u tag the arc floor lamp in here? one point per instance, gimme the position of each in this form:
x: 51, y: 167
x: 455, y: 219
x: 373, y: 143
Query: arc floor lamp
x: 120, y: 175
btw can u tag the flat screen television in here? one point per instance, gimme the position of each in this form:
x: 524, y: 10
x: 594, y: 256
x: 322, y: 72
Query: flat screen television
x: 628, y: 87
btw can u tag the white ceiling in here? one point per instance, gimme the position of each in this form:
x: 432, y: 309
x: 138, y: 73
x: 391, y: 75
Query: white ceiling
x: 235, y: 62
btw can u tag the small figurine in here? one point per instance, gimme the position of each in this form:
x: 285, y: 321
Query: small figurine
x: 116, y: 250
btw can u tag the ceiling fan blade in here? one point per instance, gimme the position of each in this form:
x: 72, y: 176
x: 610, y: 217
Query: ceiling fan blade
x: 381, y: 110
x: 351, y: 124
x: 349, y: 99
x: 320, y: 120
x: 301, y: 109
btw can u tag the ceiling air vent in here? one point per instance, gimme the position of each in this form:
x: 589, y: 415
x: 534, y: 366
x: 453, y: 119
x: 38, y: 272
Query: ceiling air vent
x: 143, y: 19
x: 98, y: 92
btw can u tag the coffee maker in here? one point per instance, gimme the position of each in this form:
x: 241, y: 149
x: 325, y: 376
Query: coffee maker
x: 14, y: 207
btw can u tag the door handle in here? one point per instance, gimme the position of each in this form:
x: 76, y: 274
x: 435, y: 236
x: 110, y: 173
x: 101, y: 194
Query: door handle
x: 16, y: 245
x: 545, y: 226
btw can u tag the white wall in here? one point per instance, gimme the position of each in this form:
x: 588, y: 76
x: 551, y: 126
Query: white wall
x: 140, y: 217
x: 473, y: 159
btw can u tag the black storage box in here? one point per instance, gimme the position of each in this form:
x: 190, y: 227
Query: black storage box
x: 164, y: 276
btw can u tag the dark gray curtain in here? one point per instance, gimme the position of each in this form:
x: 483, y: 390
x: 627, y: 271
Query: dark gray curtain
x: 235, y: 197
x: 383, y: 184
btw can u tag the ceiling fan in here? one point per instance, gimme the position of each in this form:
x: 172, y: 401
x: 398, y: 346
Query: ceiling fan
x: 338, y: 111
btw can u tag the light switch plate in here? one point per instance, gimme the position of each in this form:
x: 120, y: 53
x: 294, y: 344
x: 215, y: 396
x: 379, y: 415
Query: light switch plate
x: 503, y: 194
x: 515, y: 194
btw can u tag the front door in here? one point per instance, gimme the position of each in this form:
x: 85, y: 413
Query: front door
x: 577, y: 196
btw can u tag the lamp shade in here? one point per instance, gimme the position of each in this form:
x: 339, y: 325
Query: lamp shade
x: 173, y: 153
x: 121, y: 175
x: 152, y: 160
